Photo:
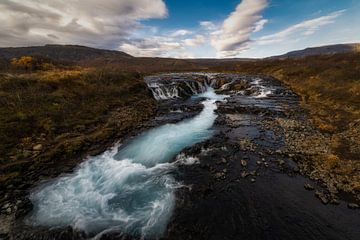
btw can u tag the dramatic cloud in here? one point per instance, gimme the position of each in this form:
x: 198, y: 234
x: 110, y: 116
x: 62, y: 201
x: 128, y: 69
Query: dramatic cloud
x: 95, y: 23
x: 304, y: 28
x: 234, y: 34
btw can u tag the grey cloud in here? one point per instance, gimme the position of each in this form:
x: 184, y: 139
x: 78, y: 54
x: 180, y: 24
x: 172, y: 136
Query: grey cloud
x: 95, y: 23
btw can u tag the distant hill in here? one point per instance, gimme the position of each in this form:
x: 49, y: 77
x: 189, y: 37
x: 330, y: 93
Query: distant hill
x: 73, y: 53
x: 323, y: 50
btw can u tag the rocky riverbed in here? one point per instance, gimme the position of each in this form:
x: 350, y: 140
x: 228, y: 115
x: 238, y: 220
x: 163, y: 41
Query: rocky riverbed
x: 256, y: 178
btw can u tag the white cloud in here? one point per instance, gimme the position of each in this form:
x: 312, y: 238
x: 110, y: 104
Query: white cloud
x: 304, y: 28
x: 95, y: 23
x: 260, y: 25
x: 208, y: 25
x: 153, y: 46
x: 181, y: 32
x: 197, y: 40
x: 234, y: 34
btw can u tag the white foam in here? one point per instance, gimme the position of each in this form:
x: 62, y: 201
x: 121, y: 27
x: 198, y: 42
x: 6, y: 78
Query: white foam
x: 128, y: 188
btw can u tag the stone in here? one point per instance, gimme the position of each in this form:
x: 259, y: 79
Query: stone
x: 37, y: 147
x: 308, y: 186
x: 335, y: 201
x: 322, y: 197
x: 243, y: 163
x: 220, y: 175
x: 353, y: 206
x: 253, y: 180
x: 244, y: 174
x: 8, y: 210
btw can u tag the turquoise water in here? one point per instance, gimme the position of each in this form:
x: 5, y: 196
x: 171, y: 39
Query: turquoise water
x: 129, y: 188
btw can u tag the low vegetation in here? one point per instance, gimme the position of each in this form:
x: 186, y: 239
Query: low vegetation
x: 51, y: 110
x: 329, y: 87
x: 49, y: 117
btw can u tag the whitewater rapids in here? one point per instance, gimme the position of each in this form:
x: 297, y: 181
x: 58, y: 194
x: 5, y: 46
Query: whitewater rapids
x: 129, y: 188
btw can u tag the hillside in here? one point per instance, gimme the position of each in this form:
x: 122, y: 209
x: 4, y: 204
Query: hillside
x: 67, y: 53
x: 323, y: 50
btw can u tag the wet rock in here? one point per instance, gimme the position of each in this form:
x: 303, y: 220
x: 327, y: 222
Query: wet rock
x: 244, y: 174
x: 353, y: 206
x: 296, y: 169
x: 335, y: 201
x: 278, y: 151
x: 220, y: 175
x: 322, y: 197
x: 308, y: 186
x: 246, y: 144
x: 244, y: 163
x: 281, y: 162
x: 37, y: 147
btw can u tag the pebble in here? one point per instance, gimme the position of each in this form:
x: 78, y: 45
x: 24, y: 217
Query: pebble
x: 244, y: 174
x: 37, y: 147
x: 322, y: 197
x: 243, y: 163
x: 308, y: 186
x: 353, y: 206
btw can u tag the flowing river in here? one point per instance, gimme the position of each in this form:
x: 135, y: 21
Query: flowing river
x: 129, y: 188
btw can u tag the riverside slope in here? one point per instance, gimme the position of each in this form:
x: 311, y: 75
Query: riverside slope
x: 245, y: 183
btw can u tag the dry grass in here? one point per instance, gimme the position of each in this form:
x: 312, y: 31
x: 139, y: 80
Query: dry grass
x: 64, y: 111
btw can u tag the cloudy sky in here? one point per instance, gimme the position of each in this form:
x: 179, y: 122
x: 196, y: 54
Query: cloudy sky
x: 181, y: 28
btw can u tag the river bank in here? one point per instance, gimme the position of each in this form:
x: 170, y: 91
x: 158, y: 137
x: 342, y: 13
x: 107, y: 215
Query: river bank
x: 78, y: 113
x: 249, y: 174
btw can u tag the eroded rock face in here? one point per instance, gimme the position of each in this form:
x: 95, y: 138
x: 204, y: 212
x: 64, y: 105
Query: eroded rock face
x: 170, y: 86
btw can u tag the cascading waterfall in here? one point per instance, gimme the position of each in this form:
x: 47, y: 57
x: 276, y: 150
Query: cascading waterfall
x: 263, y: 91
x: 162, y: 92
x: 129, y: 188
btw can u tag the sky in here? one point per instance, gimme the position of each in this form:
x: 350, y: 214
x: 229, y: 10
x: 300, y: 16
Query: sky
x: 182, y: 28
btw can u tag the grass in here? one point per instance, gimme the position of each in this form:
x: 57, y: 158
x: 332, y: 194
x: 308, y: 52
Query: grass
x: 329, y: 87
x: 64, y: 110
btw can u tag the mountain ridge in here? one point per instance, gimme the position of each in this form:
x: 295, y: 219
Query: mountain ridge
x: 78, y: 53
x: 62, y: 52
x: 320, y: 50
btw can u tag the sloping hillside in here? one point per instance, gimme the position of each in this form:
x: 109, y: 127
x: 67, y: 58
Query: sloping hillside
x: 68, y: 53
x: 323, y: 50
